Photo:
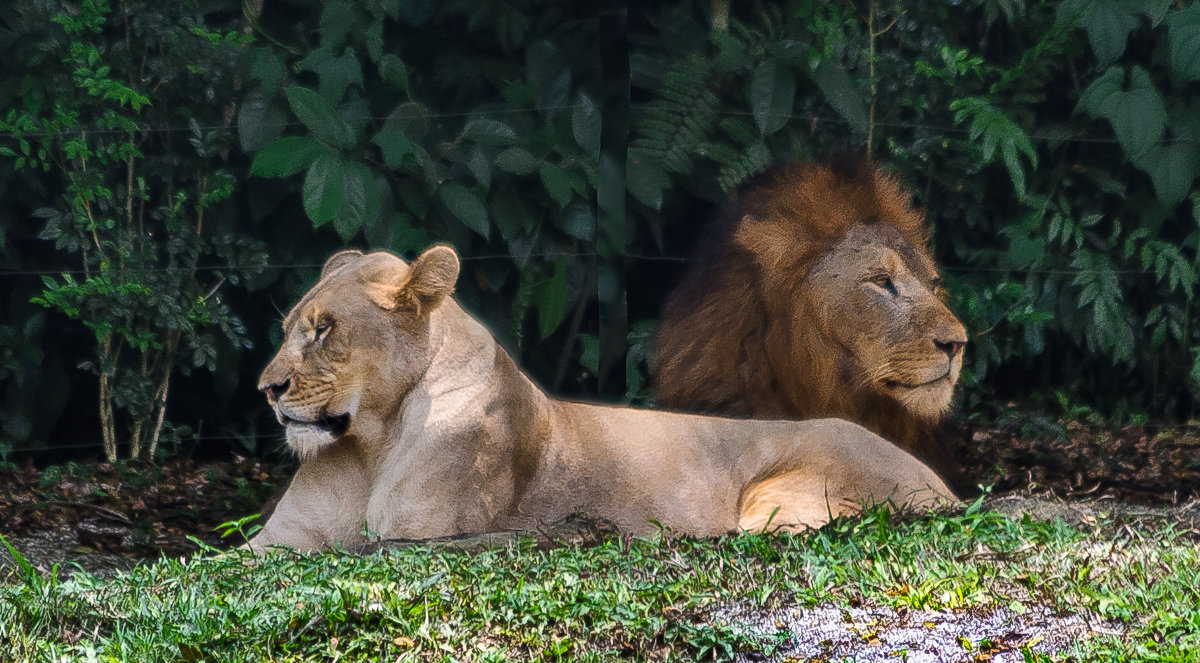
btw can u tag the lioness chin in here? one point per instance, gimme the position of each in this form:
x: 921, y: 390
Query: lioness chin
x: 412, y: 422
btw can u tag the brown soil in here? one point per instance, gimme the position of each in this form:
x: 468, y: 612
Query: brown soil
x: 106, y: 516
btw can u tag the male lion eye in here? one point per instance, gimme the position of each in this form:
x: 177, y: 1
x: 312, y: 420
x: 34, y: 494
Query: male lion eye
x: 884, y: 281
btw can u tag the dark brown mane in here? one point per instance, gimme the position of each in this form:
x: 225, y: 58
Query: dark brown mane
x: 726, y: 345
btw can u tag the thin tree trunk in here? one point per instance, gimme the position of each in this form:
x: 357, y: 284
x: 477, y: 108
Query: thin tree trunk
x: 160, y: 403
x: 108, y: 431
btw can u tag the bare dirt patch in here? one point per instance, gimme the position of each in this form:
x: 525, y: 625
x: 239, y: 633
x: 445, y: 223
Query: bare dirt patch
x: 879, y: 634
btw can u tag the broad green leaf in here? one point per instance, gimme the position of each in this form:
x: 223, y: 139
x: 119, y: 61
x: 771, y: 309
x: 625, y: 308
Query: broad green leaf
x: 465, y: 204
x: 551, y: 299
x: 841, y: 93
x: 411, y: 118
x: 286, y: 156
x: 393, y: 71
x: 408, y: 236
x: 557, y: 184
x: 1107, y: 23
x: 267, y: 68
x: 1137, y: 115
x: 550, y: 77
x: 1194, y: 375
x: 578, y: 220
x: 360, y: 200
x: 645, y: 180
x: 1172, y: 170
x: 480, y: 166
x: 511, y: 213
x: 415, y: 12
x: 516, y: 160
x: 394, y: 145
x: 322, y: 192
x: 338, y: 19
x: 374, y: 39
x: 589, y: 356
x: 585, y: 124
x: 334, y: 73
x: 320, y: 117
x: 1026, y: 246
x: 772, y: 92
x: 259, y: 121
x: 486, y: 131
x: 1183, y: 38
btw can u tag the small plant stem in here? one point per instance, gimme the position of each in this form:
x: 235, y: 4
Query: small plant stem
x: 871, y: 74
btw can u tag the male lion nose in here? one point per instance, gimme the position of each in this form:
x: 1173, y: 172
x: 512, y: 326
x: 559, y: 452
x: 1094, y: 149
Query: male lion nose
x: 274, y: 391
x: 951, y: 348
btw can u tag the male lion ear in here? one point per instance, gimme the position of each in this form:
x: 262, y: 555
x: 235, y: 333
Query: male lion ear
x: 429, y: 280
x: 339, y: 260
x: 768, y: 242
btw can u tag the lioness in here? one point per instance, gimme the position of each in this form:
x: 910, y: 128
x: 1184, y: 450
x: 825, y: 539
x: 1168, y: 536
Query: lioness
x: 412, y: 422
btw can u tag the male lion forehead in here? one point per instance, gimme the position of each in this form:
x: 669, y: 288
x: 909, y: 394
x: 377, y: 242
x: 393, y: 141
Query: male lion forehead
x: 372, y: 267
x: 886, y: 236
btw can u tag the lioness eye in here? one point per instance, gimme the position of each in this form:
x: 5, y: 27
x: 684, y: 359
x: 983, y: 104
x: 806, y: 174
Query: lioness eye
x: 321, y: 329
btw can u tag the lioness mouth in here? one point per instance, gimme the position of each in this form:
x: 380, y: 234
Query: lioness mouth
x: 334, y: 425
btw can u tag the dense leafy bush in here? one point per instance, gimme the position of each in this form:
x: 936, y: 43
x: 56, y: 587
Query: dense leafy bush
x: 1055, y: 146
x: 113, y: 123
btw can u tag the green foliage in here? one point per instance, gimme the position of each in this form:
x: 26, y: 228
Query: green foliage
x: 137, y: 233
x: 1054, y: 146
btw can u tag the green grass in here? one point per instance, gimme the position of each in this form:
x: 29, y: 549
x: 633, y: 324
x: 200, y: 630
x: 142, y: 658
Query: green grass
x: 621, y: 599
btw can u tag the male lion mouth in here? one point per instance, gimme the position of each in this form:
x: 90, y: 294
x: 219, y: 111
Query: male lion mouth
x: 896, y: 384
x: 335, y: 425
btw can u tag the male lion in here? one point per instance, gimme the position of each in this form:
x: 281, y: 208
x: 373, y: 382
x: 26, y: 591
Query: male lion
x: 816, y: 297
x: 411, y: 421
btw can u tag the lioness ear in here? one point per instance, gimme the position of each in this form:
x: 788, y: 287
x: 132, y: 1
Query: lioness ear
x: 433, y: 275
x: 429, y: 280
x: 339, y: 260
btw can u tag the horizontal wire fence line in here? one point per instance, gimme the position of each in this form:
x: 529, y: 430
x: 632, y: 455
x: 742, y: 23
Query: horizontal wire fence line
x: 630, y: 256
x: 807, y: 117
x: 1189, y: 428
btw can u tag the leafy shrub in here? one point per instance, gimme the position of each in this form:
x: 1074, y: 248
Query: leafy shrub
x: 572, y: 154
x: 140, y: 215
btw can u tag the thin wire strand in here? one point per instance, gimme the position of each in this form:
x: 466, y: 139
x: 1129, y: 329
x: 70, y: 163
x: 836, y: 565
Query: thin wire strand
x: 554, y: 255
x: 1157, y: 426
x: 820, y: 119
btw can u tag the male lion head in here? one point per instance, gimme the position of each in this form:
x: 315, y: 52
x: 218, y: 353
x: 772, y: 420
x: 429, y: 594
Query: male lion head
x: 375, y: 304
x: 815, y: 297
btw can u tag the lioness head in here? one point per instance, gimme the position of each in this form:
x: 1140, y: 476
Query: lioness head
x: 355, y: 344
x: 817, y: 297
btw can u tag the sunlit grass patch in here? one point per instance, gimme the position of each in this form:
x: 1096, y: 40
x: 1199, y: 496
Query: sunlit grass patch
x: 640, y: 598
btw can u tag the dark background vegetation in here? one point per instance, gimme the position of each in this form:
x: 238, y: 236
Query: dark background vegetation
x: 172, y: 174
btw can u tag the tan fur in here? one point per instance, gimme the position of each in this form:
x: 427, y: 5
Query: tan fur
x: 816, y: 298
x: 445, y: 434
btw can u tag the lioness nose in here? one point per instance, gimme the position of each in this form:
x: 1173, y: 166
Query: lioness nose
x: 951, y: 348
x: 274, y: 391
